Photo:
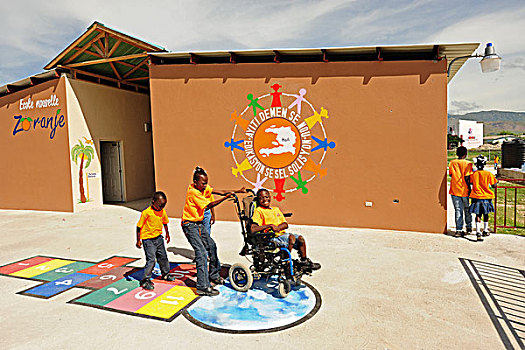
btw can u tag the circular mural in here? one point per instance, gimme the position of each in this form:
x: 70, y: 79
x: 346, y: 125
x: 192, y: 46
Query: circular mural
x: 279, y: 141
x: 259, y: 310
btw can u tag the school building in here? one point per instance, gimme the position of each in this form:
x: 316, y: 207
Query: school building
x: 350, y: 137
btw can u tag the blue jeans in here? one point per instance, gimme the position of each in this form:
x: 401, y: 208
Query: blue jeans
x: 204, y: 247
x: 461, y: 207
x: 207, y: 220
x: 154, y: 248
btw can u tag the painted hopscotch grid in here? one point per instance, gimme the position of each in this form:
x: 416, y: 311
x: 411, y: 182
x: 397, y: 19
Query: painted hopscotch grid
x: 113, y: 285
x: 502, y: 292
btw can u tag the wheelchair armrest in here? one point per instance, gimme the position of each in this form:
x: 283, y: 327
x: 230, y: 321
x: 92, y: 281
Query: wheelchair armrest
x: 287, y: 215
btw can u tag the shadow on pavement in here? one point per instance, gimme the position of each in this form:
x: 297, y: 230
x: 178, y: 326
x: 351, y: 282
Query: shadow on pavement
x: 501, y: 290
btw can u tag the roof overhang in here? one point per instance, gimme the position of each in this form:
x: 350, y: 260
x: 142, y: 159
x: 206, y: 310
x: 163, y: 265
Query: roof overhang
x: 104, y: 53
x: 28, y: 82
x: 433, y: 52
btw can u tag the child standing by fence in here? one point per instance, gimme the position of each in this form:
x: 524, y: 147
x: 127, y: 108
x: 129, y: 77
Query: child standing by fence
x: 481, y: 195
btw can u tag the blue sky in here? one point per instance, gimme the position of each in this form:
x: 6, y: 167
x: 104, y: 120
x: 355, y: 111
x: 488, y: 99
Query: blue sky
x: 36, y: 31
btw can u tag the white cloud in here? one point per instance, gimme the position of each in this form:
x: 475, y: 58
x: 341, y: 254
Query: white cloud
x: 502, y: 90
x: 36, y: 31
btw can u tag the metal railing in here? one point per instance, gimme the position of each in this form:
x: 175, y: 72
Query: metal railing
x: 517, y: 188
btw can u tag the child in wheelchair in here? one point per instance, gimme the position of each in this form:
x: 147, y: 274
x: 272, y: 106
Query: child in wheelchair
x: 271, y: 219
x: 267, y: 243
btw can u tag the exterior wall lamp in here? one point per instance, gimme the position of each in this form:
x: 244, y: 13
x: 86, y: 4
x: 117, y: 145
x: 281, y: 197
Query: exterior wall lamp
x: 490, y: 61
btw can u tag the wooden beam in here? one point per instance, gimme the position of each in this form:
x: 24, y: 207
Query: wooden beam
x: 98, y: 47
x: 98, y: 76
x: 132, y: 41
x: 135, y: 68
x: 84, y: 48
x: 114, y: 47
x: 106, y: 60
x: 135, y: 79
x: 106, y: 45
x: 119, y: 62
x: 68, y: 49
x: 115, y: 70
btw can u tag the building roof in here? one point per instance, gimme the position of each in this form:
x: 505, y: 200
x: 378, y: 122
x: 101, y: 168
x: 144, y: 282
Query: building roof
x: 334, y: 54
x: 105, y: 55
x: 102, y: 52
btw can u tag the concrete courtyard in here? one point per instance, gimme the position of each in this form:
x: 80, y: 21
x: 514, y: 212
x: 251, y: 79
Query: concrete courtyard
x: 379, y: 289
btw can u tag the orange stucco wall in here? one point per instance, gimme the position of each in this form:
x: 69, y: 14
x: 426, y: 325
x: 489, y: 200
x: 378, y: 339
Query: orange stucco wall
x: 35, y: 163
x: 388, y: 120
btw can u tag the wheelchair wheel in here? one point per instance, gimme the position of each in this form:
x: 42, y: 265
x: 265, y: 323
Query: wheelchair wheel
x: 241, y: 277
x: 284, y: 288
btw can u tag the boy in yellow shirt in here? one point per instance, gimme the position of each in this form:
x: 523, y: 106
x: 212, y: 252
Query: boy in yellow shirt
x: 149, y: 235
x: 271, y: 218
x: 459, y: 170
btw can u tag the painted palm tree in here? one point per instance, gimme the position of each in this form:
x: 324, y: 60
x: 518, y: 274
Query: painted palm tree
x: 86, y: 153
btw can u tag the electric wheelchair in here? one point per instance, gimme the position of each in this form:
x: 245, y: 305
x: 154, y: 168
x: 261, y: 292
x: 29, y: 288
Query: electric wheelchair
x: 267, y: 259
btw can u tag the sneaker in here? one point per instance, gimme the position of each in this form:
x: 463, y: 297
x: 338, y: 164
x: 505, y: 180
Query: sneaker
x: 147, y: 284
x: 469, y: 230
x: 218, y: 280
x: 168, y: 277
x: 208, y: 292
x: 486, y: 233
x: 459, y: 234
x: 310, y: 265
x: 478, y: 235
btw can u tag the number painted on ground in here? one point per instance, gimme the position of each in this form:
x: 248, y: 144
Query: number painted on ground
x: 64, y: 270
x: 116, y: 291
x: 173, y: 302
x: 108, y: 277
x: 65, y: 283
x: 105, y: 266
x: 145, y: 295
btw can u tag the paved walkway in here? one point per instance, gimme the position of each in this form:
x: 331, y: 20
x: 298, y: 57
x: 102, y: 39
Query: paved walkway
x: 380, y: 289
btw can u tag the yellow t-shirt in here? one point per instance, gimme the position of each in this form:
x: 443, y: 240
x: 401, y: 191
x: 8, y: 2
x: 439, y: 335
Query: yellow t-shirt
x: 481, y: 180
x: 196, y: 202
x: 458, y: 169
x: 271, y: 216
x: 151, y: 223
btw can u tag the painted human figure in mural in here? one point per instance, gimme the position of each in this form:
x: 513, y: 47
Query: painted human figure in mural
x: 85, y: 153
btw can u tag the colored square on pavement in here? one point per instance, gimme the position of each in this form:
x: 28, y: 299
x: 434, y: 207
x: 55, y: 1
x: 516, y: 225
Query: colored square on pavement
x: 63, y: 271
x: 109, y: 293
x: 107, y: 278
x: 24, y: 264
x: 138, y: 297
x: 41, y: 268
x: 106, y: 265
x: 169, y: 303
x: 184, y: 272
x: 52, y: 288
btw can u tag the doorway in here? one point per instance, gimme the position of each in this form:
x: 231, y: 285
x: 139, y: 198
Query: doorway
x: 110, y: 153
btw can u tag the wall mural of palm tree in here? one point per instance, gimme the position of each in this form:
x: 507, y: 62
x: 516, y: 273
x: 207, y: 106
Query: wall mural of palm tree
x: 85, y: 153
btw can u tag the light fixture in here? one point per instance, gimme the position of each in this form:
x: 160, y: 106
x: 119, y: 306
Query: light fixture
x: 490, y: 61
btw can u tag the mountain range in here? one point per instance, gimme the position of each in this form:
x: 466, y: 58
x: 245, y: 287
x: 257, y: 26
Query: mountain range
x: 495, y: 122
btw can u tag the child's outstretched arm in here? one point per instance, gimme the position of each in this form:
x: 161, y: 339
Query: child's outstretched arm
x: 224, y: 192
x: 219, y: 201
x: 167, y: 233
x: 139, y: 241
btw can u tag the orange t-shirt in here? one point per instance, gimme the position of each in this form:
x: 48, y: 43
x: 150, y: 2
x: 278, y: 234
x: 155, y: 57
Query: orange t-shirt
x: 481, y: 181
x: 151, y: 223
x: 458, y: 169
x: 196, y: 202
x: 271, y: 216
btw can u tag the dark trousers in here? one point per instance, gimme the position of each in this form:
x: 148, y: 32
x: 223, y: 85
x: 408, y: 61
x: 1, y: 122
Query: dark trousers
x: 204, y: 247
x: 154, y: 249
